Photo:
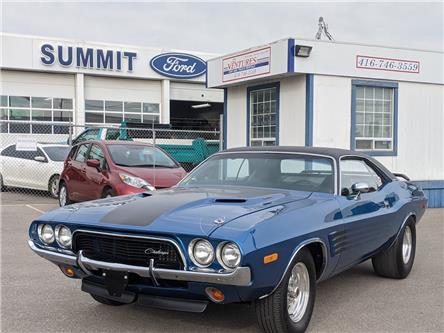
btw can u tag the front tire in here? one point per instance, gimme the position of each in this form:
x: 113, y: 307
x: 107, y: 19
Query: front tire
x: 2, y: 187
x: 108, y: 193
x: 63, y: 195
x: 397, y: 261
x: 290, y: 307
x: 53, y: 186
x: 106, y: 301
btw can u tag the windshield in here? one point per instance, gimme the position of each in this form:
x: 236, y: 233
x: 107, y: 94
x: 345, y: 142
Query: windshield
x: 57, y: 154
x: 140, y: 156
x: 269, y: 170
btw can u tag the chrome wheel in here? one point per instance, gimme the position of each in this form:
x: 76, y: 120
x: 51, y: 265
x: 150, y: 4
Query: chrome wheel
x: 298, y: 292
x: 62, y: 196
x: 407, y: 245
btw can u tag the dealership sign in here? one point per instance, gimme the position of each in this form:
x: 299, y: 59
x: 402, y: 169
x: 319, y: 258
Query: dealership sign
x: 246, y: 65
x: 178, y: 65
x: 87, y: 57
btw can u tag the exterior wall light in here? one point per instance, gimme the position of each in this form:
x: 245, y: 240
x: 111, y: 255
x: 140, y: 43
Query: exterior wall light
x: 302, y: 51
x: 201, y: 106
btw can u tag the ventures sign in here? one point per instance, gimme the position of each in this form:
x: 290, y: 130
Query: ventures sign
x: 245, y: 65
x: 178, y: 65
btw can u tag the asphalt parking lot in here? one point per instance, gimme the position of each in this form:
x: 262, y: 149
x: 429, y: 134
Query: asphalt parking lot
x: 36, y: 297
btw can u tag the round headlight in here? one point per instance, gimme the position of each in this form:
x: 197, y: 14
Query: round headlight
x: 230, y: 255
x: 46, y: 233
x: 63, y: 236
x: 201, y: 252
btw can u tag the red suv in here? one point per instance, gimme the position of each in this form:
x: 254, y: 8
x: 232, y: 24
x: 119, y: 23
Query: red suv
x: 100, y: 169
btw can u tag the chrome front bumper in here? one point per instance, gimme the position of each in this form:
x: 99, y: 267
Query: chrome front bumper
x: 240, y: 276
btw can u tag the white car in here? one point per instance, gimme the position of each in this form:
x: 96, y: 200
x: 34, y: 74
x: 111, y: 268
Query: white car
x: 38, y: 169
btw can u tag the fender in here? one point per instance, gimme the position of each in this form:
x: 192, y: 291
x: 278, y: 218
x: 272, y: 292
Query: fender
x: 295, y: 252
x: 402, y: 226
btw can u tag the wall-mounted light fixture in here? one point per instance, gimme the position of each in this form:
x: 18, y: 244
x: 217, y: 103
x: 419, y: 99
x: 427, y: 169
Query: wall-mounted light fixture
x: 201, y: 106
x: 302, y: 51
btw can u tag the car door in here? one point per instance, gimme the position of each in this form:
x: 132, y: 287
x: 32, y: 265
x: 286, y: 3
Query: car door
x: 10, y: 166
x: 96, y: 177
x: 76, y: 177
x: 366, y: 216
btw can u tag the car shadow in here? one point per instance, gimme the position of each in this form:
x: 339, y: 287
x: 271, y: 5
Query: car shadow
x: 16, y: 195
x: 242, y: 318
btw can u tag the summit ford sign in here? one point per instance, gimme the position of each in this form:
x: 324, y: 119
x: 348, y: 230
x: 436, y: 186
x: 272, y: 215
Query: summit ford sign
x: 178, y: 65
x: 87, y: 57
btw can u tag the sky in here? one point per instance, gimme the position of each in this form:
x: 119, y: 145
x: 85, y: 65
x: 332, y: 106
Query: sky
x: 223, y: 27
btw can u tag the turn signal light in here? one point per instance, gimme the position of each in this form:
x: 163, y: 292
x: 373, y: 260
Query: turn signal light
x: 270, y: 258
x: 68, y: 271
x: 215, y: 294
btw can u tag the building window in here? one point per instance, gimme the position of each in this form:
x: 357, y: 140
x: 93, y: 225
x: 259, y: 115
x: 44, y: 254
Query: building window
x: 98, y: 112
x: 263, y: 112
x: 35, y: 109
x: 374, y: 117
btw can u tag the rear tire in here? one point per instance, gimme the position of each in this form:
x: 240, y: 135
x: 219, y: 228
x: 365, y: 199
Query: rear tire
x: 106, y: 301
x: 397, y: 261
x: 63, y: 195
x: 289, y: 309
x: 53, y: 186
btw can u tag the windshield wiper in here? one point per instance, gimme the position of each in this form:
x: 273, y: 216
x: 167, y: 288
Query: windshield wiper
x: 154, y: 166
x: 146, y: 165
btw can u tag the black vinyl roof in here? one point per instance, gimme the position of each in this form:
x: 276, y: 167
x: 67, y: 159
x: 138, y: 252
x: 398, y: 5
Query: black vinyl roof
x: 335, y: 153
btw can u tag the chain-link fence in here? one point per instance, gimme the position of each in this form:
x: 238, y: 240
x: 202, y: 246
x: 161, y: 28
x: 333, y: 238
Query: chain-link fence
x: 33, y: 154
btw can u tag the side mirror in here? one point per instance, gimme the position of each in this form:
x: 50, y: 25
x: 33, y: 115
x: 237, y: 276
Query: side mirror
x: 93, y: 164
x: 359, y: 188
x: 40, y: 159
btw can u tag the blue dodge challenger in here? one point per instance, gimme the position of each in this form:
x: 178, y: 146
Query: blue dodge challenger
x: 260, y: 225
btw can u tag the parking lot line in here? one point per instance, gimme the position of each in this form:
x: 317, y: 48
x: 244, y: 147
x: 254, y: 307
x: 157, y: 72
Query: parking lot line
x: 36, y: 209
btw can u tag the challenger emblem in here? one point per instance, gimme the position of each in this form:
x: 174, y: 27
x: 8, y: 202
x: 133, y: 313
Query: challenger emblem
x: 158, y: 252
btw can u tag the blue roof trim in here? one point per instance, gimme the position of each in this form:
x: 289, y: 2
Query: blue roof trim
x: 309, y: 87
x: 290, y: 56
x: 276, y: 85
x: 225, y: 120
x: 382, y: 84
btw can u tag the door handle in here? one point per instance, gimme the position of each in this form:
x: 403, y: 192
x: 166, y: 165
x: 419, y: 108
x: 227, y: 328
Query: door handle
x: 384, y: 204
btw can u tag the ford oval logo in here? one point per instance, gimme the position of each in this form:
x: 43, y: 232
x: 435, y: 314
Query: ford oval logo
x: 178, y: 65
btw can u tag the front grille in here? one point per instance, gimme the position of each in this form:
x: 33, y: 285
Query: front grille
x: 127, y: 250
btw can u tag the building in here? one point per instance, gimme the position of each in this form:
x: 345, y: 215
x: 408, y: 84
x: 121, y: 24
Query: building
x: 57, y: 80
x: 385, y: 101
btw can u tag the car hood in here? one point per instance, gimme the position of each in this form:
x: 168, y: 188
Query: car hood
x: 158, y: 177
x: 180, y: 210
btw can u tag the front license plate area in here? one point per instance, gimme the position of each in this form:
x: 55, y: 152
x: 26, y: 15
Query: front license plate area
x: 115, y: 282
